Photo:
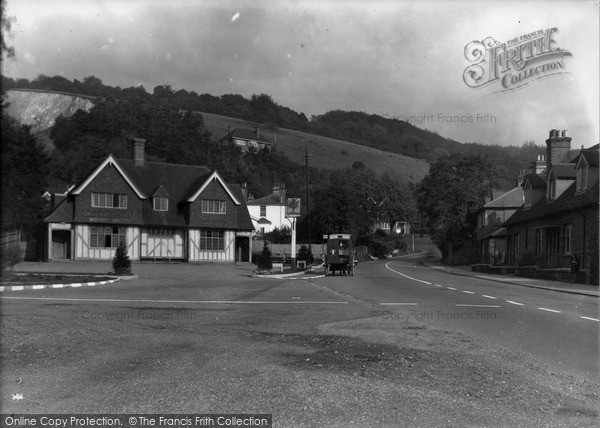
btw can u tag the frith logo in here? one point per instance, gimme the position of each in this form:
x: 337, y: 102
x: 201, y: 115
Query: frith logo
x: 514, y: 63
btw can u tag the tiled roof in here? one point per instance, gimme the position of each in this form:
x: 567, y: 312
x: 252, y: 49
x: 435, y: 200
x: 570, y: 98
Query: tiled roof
x: 535, y: 180
x: 271, y: 199
x: 178, y: 181
x: 564, y: 170
x: 567, y: 201
x: 246, y: 134
x: 511, y: 199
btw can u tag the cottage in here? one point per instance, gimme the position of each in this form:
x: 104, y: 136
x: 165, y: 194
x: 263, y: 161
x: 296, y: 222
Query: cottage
x: 268, y: 212
x: 158, y: 210
x: 559, y: 216
x: 491, y: 236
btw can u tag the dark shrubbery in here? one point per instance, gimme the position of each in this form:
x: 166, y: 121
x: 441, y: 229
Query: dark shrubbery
x: 121, y: 262
x: 11, y: 255
x: 304, y: 253
x: 264, y: 260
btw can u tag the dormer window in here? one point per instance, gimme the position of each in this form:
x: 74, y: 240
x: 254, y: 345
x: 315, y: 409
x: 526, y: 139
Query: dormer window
x: 212, y: 206
x: 552, y: 189
x: 582, y: 176
x: 528, y: 191
x: 161, y: 204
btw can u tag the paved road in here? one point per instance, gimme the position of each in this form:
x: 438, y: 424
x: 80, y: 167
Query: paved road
x: 560, y: 330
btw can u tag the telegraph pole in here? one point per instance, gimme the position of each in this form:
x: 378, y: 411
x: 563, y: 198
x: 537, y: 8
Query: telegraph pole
x: 307, y: 157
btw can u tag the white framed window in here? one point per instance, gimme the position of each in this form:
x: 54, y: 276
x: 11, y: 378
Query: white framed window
x: 109, y: 200
x: 107, y: 236
x: 552, y: 189
x: 161, y: 204
x: 212, y: 206
x: 567, y: 238
x: 539, y: 241
x: 212, y: 240
x: 263, y: 210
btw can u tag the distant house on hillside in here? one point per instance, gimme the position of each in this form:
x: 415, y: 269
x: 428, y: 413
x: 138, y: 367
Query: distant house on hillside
x: 157, y: 210
x: 247, y: 139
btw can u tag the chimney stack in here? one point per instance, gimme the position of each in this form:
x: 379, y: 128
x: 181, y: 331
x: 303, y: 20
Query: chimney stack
x: 557, y: 148
x: 139, y: 151
x: 279, y: 191
x: 540, y: 164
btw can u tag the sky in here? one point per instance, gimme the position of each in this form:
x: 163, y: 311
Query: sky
x: 398, y: 59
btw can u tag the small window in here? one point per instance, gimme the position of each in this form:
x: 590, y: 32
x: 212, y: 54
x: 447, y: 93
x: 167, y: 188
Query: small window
x: 109, y: 200
x: 263, y: 210
x: 567, y: 234
x: 161, y: 204
x: 212, y: 206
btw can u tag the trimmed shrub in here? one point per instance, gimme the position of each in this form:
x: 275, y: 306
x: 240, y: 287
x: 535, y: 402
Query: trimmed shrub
x: 121, y: 262
x: 264, y: 260
x: 304, y: 253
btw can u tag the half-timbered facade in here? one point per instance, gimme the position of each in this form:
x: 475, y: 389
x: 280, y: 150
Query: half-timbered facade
x: 160, y: 211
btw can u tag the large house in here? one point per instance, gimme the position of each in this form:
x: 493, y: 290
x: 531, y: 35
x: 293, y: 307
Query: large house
x: 158, y: 210
x: 559, y: 216
x: 247, y: 139
x: 268, y: 212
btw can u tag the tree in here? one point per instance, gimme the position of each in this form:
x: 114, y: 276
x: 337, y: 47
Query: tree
x: 23, y: 175
x: 121, y: 262
x: 450, y: 195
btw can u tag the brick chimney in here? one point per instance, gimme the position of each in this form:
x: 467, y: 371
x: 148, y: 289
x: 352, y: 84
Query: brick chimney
x: 279, y: 191
x: 139, y: 151
x: 557, y: 148
x: 245, y: 191
x: 540, y: 164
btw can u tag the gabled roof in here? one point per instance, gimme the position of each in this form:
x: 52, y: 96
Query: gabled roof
x: 567, y: 201
x: 246, y: 134
x: 511, y: 199
x: 563, y: 170
x: 108, y: 161
x: 534, y: 180
x: 590, y: 155
x: 214, y: 176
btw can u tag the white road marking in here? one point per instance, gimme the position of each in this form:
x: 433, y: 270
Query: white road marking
x: 479, y: 306
x: 438, y: 285
x: 451, y: 288
x: 405, y: 276
x: 233, y: 302
x: 468, y: 292
x: 516, y: 303
x: 399, y: 304
x: 489, y: 297
x: 550, y: 310
x: 591, y: 319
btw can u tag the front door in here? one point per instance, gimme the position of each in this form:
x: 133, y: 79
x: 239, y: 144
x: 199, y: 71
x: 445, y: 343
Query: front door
x: 242, y: 249
x: 61, y: 244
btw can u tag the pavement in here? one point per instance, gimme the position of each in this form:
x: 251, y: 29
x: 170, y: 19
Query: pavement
x: 560, y: 286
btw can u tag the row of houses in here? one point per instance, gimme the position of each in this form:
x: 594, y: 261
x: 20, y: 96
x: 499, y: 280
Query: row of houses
x: 550, y: 216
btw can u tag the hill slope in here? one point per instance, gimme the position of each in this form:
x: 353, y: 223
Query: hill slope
x: 327, y: 153
x: 39, y: 109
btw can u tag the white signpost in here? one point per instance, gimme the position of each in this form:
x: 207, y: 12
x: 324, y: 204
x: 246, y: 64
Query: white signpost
x: 292, y: 212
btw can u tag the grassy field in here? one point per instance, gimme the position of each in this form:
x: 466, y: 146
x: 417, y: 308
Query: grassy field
x: 327, y: 153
